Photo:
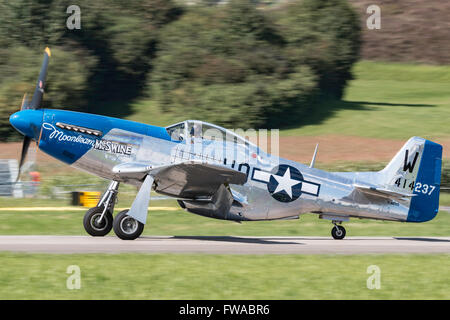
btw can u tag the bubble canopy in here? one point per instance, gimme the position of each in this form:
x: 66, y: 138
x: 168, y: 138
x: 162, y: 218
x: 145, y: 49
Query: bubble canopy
x: 196, y: 129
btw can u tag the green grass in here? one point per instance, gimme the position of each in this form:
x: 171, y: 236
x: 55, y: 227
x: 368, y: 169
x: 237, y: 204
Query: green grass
x: 182, y: 223
x: 194, y: 276
x: 387, y: 100
x: 125, y: 199
x: 444, y: 199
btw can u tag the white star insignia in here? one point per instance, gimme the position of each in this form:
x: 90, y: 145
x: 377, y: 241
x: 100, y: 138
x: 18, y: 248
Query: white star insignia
x: 285, y: 183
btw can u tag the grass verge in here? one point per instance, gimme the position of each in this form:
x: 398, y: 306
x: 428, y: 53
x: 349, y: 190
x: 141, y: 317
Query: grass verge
x: 181, y: 223
x: 164, y: 276
x: 386, y: 100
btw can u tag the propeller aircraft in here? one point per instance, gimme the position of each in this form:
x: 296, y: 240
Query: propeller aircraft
x: 216, y: 173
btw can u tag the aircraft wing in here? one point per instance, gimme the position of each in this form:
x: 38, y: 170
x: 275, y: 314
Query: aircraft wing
x: 382, y: 192
x: 186, y: 180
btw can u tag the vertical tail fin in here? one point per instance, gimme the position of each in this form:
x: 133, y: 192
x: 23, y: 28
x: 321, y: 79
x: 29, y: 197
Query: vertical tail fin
x: 416, y: 169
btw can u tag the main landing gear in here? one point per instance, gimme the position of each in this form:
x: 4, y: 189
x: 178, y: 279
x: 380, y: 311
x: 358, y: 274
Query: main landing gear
x: 126, y: 227
x: 338, y: 232
x: 98, y: 221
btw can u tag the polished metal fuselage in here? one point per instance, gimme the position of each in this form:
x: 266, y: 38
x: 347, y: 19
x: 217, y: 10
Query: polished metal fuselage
x: 333, y: 195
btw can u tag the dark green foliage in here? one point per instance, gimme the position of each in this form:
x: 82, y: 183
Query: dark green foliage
x: 325, y: 35
x: 31, y: 23
x: 240, y: 66
x: 105, y: 62
x: 233, y: 64
x: 20, y: 66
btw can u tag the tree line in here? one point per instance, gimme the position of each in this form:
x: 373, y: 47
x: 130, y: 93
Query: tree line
x: 234, y: 64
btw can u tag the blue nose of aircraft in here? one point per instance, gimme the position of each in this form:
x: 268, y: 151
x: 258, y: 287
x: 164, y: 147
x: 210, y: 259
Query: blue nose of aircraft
x: 28, y: 122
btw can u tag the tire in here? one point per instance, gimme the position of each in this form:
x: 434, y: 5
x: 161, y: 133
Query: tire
x: 95, y: 229
x: 126, y: 227
x: 338, y: 232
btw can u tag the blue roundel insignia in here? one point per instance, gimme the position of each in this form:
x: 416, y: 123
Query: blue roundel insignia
x: 285, y: 183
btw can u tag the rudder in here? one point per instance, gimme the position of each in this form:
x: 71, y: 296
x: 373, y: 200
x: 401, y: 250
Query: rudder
x: 416, y: 169
x: 425, y: 205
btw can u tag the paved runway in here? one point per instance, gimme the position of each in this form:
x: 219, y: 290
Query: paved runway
x: 225, y: 245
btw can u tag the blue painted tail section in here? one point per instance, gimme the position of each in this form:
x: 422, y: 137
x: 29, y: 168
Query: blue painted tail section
x: 425, y: 205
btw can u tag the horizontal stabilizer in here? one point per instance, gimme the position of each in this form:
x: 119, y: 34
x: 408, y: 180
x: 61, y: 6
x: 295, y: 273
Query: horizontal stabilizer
x: 384, y: 193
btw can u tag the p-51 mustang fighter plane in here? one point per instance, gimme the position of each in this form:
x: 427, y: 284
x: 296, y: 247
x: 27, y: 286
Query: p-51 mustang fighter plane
x: 215, y: 173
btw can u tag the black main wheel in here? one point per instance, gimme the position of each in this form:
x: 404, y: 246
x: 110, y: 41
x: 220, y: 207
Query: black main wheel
x: 96, y: 227
x: 126, y: 227
x: 338, y: 232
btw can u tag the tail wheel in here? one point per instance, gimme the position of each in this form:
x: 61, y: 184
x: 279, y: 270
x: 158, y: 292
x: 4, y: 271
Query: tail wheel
x: 126, y: 227
x: 95, y: 226
x: 338, y: 232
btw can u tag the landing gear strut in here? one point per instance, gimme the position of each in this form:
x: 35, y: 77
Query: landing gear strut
x: 98, y: 221
x: 338, y: 232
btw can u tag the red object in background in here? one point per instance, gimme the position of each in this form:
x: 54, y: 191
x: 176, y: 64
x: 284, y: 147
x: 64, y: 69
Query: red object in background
x: 35, y: 176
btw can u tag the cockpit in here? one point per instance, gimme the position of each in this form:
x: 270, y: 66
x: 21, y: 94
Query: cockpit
x: 191, y: 130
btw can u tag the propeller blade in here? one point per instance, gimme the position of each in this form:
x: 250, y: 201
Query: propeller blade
x: 25, y: 103
x: 39, y: 91
x: 25, y: 146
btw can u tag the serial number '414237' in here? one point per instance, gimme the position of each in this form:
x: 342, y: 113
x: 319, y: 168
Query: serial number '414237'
x: 424, y: 188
